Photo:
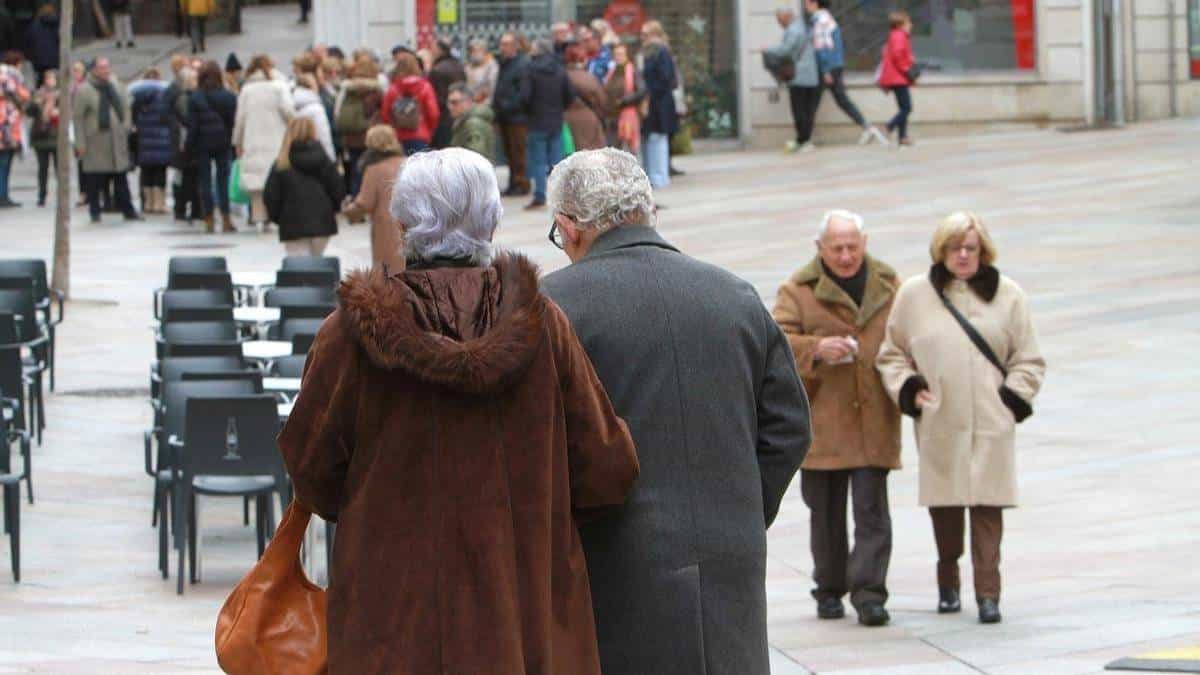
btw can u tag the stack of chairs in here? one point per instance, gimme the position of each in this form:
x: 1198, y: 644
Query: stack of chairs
x: 305, y: 293
x: 28, y: 337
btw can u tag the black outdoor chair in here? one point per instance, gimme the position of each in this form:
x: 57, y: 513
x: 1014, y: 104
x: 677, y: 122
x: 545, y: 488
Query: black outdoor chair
x: 228, y: 450
x: 302, y: 342
x: 21, y: 376
x: 187, y: 264
x: 10, y: 483
x: 212, y: 280
x: 290, y: 366
x: 305, y: 278
x: 172, y: 369
x: 176, y: 335
x: 194, y: 305
x: 290, y: 328
x: 310, y: 296
x: 44, y: 298
x: 310, y: 263
x: 160, y: 466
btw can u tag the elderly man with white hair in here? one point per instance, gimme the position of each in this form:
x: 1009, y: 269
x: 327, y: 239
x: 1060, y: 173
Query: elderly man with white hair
x: 704, y: 377
x: 835, y: 312
x: 451, y: 423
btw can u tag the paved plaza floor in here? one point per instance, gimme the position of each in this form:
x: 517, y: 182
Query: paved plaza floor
x: 1102, y: 229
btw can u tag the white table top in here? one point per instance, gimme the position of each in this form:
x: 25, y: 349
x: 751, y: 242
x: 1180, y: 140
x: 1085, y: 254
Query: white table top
x: 281, y: 383
x: 285, y: 409
x: 256, y: 314
x: 253, y: 279
x: 266, y: 349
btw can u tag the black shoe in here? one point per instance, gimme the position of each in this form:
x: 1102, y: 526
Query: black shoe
x: 9, y: 204
x: 41, y: 202
x: 535, y: 205
x: 95, y: 220
x: 672, y: 171
x: 830, y: 608
x: 133, y: 216
x: 948, y: 602
x: 130, y: 44
x: 989, y: 611
x: 873, y: 614
x: 118, y: 45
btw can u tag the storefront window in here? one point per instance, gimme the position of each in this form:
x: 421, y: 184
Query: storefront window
x: 702, y: 36
x: 949, y: 35
x: 1194, y: 38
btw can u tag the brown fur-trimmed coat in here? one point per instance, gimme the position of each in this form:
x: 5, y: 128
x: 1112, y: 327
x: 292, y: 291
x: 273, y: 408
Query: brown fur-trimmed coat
x: 451, y: 423
x: 855, y: 423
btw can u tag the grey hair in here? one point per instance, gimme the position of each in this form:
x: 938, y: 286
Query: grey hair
x: 478, y: 43
x: 601, y: 189
x: 543, y: 46
x: 840, y: 214
x: 449, y: 203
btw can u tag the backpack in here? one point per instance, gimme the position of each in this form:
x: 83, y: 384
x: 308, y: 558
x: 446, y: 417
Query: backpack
x: 352, y: 117
x: 406, y: 113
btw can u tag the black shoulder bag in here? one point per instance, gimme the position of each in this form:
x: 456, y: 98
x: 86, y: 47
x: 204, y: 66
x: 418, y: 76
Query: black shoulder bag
x: 1021, y: 409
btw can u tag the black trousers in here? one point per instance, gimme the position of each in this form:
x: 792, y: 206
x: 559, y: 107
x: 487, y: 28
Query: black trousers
x: 97, y: 182
x: 838, y: 89
x: 46, y: 159
x: 836, y: 569
x: 804, y: 102
x: 187, y: 196
x: 305, y: 8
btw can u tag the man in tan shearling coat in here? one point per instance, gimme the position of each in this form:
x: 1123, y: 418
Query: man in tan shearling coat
x: 834, y: 312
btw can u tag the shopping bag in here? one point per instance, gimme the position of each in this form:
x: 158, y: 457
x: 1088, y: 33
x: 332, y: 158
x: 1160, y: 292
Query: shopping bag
x: 236, y: 194
x: 568, y: 142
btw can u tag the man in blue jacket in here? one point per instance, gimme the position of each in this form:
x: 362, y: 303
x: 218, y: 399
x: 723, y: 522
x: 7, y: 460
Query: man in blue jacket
x: 804, y: 89
x: 827, y: 45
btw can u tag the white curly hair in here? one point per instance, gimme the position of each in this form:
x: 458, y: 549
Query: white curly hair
x: 449, y: 202
x: 602, y: 189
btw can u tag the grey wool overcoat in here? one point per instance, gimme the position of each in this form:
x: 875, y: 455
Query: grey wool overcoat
x: 696, y: 366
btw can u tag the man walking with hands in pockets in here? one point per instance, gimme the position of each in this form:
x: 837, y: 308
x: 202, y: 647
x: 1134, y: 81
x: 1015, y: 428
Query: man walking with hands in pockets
x: 834, y: 312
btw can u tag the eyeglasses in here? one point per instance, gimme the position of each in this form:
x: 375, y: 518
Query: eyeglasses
x: 555, y: 235
x: 965, y: 248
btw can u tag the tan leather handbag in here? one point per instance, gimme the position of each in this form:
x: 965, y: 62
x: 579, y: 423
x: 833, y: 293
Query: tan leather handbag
x: 274, y: 622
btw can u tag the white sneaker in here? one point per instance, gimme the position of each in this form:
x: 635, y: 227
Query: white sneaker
x: 865, y: 137
x: 791, y: 146
x: 883, y: 140
x: 808, y: 147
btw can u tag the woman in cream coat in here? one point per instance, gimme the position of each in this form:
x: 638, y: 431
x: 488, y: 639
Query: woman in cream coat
x: 965, y: 409
x: 264, y: 109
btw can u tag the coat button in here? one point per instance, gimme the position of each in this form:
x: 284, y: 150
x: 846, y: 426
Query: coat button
x: 856, y: 404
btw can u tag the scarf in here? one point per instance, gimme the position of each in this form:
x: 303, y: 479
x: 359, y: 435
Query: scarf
x: 823, y: 26
x: 372, y: 157
x: 629, y: 121
x: 110, y: 102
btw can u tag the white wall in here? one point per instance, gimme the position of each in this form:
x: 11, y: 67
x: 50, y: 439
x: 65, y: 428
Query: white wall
x: 377, y: 24
x: 1150, y: 61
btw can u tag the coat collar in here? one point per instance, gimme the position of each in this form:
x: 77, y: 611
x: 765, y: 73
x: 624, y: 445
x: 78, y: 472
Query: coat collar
x: 881, y: 284
x: 985, y: 283
x: 628, y: 236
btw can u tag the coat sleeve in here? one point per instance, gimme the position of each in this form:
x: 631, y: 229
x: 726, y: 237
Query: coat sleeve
x: 1026, y: 367
x: 80, y: 121
x: 784, y: 425
x: 601, y: 457
x: 900, y: 52
x: 385, y: 108
x: 273, y: 195
x: 239, y: 123
x: 318, y: 440
x: 334, y: 186
x: 894, y: 361
x: 790, y: 317
x: 429, y: 106
x: 364, y: 201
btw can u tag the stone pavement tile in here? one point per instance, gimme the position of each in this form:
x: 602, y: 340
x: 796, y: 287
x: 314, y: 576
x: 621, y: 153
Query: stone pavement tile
x: 782, y: 665
x: 869, y: 655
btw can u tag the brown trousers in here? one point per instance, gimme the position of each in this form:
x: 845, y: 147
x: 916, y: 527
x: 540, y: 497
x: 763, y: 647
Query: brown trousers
x: 987, y: 528
x: 513, y: 138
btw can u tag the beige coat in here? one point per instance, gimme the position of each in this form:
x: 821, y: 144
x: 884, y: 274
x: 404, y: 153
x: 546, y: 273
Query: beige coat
x: 101, y: 150
x: 966, y: 438
x: 373, y: 199
x: 264, y: 109
x: 855, y: 424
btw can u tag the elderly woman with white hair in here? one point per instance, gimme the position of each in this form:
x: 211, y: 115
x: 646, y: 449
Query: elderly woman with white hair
x: 961, y: 357
x: 451, y: 423
x: 709, y: 388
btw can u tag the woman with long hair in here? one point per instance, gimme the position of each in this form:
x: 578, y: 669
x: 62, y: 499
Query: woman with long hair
x: 13, y: 97
x: 44, y: 114
x: 357, y: 109
x: 585, y: 116
x: 662, y: 120
x: 304, y: 191
x: 414, y: 130
x: 627, y: 95
x: 264, y: 109
x: 212, y: 113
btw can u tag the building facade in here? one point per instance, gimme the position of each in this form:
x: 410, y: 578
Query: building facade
x: 992, y: 64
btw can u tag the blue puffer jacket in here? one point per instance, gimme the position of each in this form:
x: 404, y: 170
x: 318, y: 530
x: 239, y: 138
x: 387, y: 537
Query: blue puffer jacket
x: 211, y: 116
x: 152, y: 117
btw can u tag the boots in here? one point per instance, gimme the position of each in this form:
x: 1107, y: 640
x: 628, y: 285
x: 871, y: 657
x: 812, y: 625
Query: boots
x: 227, y: 223
x: 209, y: 226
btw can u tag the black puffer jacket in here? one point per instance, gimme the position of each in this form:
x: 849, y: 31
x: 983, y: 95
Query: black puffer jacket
x: 304, y: 199
x: 210, y: 119
x: 546, y: 92
x: 507, y: 99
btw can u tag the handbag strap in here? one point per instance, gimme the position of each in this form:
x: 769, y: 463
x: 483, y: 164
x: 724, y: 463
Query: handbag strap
x: 974, y: 335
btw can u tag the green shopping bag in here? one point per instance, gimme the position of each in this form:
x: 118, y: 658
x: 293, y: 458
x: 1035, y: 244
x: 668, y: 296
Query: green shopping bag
x: 568, y: 142
x: 236, y: 194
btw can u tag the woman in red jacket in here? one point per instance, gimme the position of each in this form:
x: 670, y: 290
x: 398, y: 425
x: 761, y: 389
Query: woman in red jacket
x: 894, y: 71
x: 414, y: 128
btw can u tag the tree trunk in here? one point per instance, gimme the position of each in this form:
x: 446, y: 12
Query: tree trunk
x: 60, y: 278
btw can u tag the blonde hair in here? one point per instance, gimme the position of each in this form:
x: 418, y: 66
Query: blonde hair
x: 655, y: 29
x: 299, y: 130
x: 382, y: 138
x: 898, y: 18
x: 953, y: 229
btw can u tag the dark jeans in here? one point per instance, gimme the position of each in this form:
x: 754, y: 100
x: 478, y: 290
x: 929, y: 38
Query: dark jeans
x: 46, y: 158
x: 154, y: 176
x: 838, y: 89
x: 187, y: 195
x: 804, y: 102
x: 353, y: 176
x: 512, y: 136
x: 6, y: 160
x: 199, y: 33
x: 305, y: 8
x: 900, y: 121
x: 987, y: 529
x: 414, y: 146
x: 543, y: 151
x: 836, y: 569
x: 96, y: 182
x: 204, y: 162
